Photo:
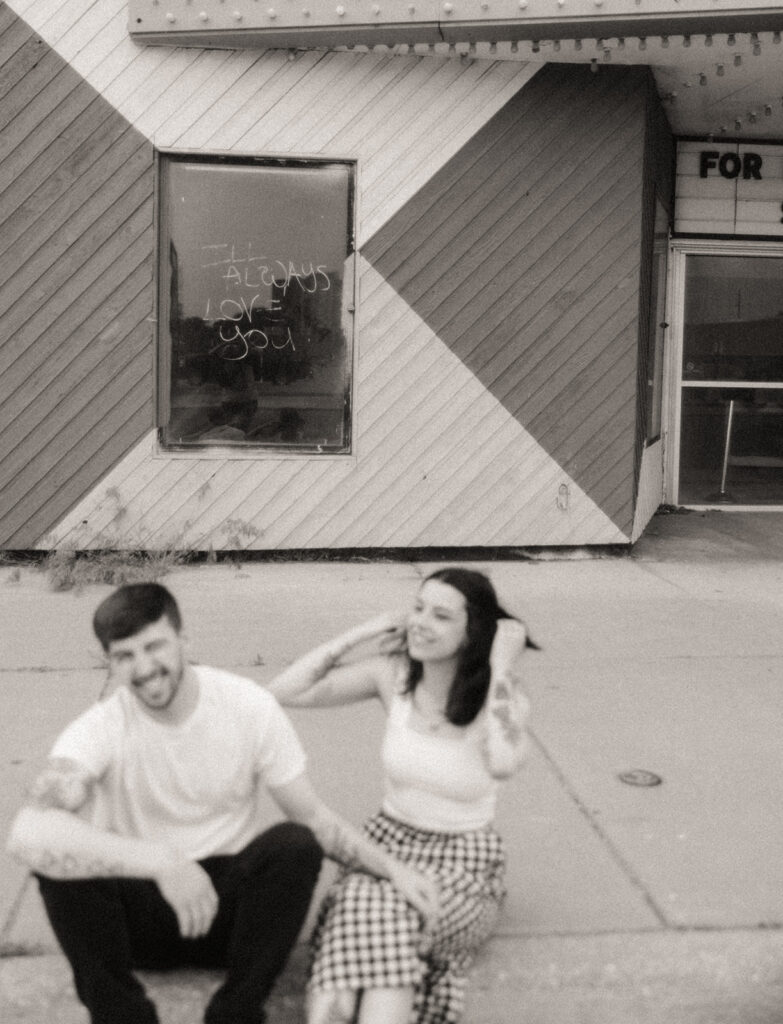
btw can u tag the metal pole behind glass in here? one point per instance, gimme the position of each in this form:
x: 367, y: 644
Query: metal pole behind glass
x: 722, y: 494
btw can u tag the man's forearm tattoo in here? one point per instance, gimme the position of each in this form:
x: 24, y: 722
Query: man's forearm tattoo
x: 65, y: 866
x: 66, y: 790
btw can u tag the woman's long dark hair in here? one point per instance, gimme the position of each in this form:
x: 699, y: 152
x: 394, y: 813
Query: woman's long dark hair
x: 471, y: 679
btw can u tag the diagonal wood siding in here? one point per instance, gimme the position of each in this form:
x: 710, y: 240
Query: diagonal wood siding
x: 522, y: 254
x: 659, y: 175
x: 442, y: 455
x: 75, y: 286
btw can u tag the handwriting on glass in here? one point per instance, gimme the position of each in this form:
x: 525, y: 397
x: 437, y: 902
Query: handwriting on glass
x: 240, y: 319
x: 249, y: 271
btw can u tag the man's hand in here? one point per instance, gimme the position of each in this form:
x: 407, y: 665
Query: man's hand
x: 188, y: 889
x: 348, y: 847
x: 419, y: 890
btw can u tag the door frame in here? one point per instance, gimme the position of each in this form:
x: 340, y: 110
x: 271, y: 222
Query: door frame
x: 681, y: 248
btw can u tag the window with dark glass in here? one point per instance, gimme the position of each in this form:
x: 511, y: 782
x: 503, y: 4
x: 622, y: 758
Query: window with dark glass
x: 255, y: 303
x: 731, y: 406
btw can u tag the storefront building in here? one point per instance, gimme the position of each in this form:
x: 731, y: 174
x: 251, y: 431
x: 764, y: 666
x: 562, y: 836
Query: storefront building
x: 317, y: 276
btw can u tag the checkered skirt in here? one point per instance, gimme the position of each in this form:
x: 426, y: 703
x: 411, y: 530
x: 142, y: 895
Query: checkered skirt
x: 368, y: 936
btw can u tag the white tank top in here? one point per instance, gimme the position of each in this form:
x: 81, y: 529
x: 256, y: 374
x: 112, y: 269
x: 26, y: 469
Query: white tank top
x: 436, y: 782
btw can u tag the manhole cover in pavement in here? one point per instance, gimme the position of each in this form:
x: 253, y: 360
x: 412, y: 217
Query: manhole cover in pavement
x: 640, y: 777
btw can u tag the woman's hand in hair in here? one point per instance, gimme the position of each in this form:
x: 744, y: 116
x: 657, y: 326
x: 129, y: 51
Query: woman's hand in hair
x: 345, y: 669
x: 391, y: 632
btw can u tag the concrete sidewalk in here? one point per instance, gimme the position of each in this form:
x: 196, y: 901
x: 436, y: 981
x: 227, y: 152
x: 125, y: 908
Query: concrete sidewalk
x: 627, y: 903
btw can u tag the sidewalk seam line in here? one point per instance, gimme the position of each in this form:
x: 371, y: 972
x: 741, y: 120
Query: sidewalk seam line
x: 13, y: 911
x: 602, y: 835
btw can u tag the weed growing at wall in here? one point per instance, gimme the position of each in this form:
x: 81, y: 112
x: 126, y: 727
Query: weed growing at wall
x: 72, y: 570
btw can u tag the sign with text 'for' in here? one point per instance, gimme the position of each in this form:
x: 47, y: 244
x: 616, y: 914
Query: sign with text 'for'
x: 729, y: 188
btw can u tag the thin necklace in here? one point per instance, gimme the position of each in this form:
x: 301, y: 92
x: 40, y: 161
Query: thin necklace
x: 433, y: 720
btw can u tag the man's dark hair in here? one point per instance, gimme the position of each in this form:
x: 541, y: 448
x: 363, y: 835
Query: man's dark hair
x: 132, y: 607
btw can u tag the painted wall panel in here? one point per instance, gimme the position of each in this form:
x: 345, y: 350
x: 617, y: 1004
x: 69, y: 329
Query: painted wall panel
x: 71, y: 475
x: 260, y: 99
x: 28, y: 66
x: 75, y: 286
x: 650, y: 488
x: 471, y: 213
x: 42, y: 400
x: 42, y: 318
x: 29, y: 220
x: 352, y: 502
x: 657, y: 191
x: 513, y: 248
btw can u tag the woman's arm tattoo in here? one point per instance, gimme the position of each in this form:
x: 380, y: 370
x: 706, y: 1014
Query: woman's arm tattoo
x: 503, y: 708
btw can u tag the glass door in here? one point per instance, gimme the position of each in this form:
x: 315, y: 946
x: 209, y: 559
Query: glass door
x: 730, y: 380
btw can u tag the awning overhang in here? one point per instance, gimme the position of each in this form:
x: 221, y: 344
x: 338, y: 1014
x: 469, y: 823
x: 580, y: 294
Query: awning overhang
x: 324, y: 23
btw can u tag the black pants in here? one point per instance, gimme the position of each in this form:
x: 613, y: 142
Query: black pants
x: 109, y: 926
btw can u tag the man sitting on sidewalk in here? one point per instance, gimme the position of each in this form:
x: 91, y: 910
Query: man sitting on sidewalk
x: 143, y: 830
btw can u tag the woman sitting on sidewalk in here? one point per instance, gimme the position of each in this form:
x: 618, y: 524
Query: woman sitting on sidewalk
x: 448, y: 680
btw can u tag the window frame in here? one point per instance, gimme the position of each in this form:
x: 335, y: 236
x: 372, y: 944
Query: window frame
x: 680, y: 249
x: 657, y: 326
x: 259, y: 450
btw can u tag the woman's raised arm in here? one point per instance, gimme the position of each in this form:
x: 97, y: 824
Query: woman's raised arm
x: 319, y: 679
x: 507, y: 705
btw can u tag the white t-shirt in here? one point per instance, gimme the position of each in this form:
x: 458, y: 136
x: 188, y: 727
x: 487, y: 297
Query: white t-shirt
x: 195, y: 785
